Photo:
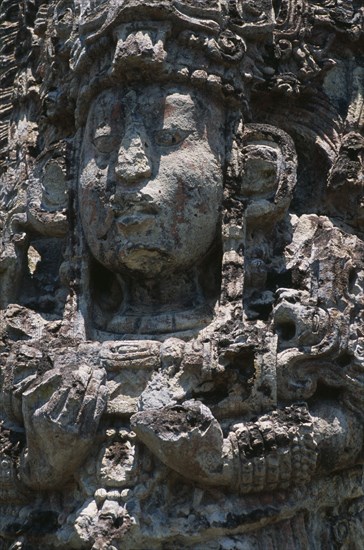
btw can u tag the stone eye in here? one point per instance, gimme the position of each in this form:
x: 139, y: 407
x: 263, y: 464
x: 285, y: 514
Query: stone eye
x: 169, y: 137
x: 105, y: 143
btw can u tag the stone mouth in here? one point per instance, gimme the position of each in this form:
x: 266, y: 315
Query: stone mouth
x: 136, y: 208
x: 128, y: 220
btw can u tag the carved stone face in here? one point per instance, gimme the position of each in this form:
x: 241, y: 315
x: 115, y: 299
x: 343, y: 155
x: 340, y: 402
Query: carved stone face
x: 151, y: 178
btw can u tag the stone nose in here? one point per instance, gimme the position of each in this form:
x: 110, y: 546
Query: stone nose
x: 133, y: 163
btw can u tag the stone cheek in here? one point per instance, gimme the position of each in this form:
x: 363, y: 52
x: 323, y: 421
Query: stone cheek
x: 181, y: 275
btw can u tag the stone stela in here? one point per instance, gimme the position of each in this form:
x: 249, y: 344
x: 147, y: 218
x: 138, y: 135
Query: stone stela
x: 181, y: 274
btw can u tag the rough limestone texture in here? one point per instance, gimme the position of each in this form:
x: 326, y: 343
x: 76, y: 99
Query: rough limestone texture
x: 181, y: 274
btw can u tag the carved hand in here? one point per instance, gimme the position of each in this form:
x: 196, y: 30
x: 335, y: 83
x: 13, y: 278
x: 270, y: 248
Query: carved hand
x: 61, y: 414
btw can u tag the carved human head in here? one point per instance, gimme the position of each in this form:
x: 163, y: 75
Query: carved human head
x: 153, y: 150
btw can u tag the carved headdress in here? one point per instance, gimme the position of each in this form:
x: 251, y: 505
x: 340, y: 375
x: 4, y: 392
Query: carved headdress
x: 206, y: 43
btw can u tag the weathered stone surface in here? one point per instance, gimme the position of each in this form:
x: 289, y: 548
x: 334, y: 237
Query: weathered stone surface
x: 181, y: 274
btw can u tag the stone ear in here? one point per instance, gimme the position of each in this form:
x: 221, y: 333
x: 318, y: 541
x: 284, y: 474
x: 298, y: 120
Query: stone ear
x: 268, y: 171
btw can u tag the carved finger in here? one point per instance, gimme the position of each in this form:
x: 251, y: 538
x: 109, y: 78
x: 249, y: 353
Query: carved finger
x: 42, y: 392
x: 94, y: 402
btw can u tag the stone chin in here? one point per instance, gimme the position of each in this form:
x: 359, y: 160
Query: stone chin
x: 135, y: 258
x: 132, y: 253
x: 149, y: 262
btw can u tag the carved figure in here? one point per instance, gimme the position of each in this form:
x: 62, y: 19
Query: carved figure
x: 181, y: 271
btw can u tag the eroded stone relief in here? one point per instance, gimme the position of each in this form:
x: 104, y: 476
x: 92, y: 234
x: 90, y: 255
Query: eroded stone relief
x: 182, y: 277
